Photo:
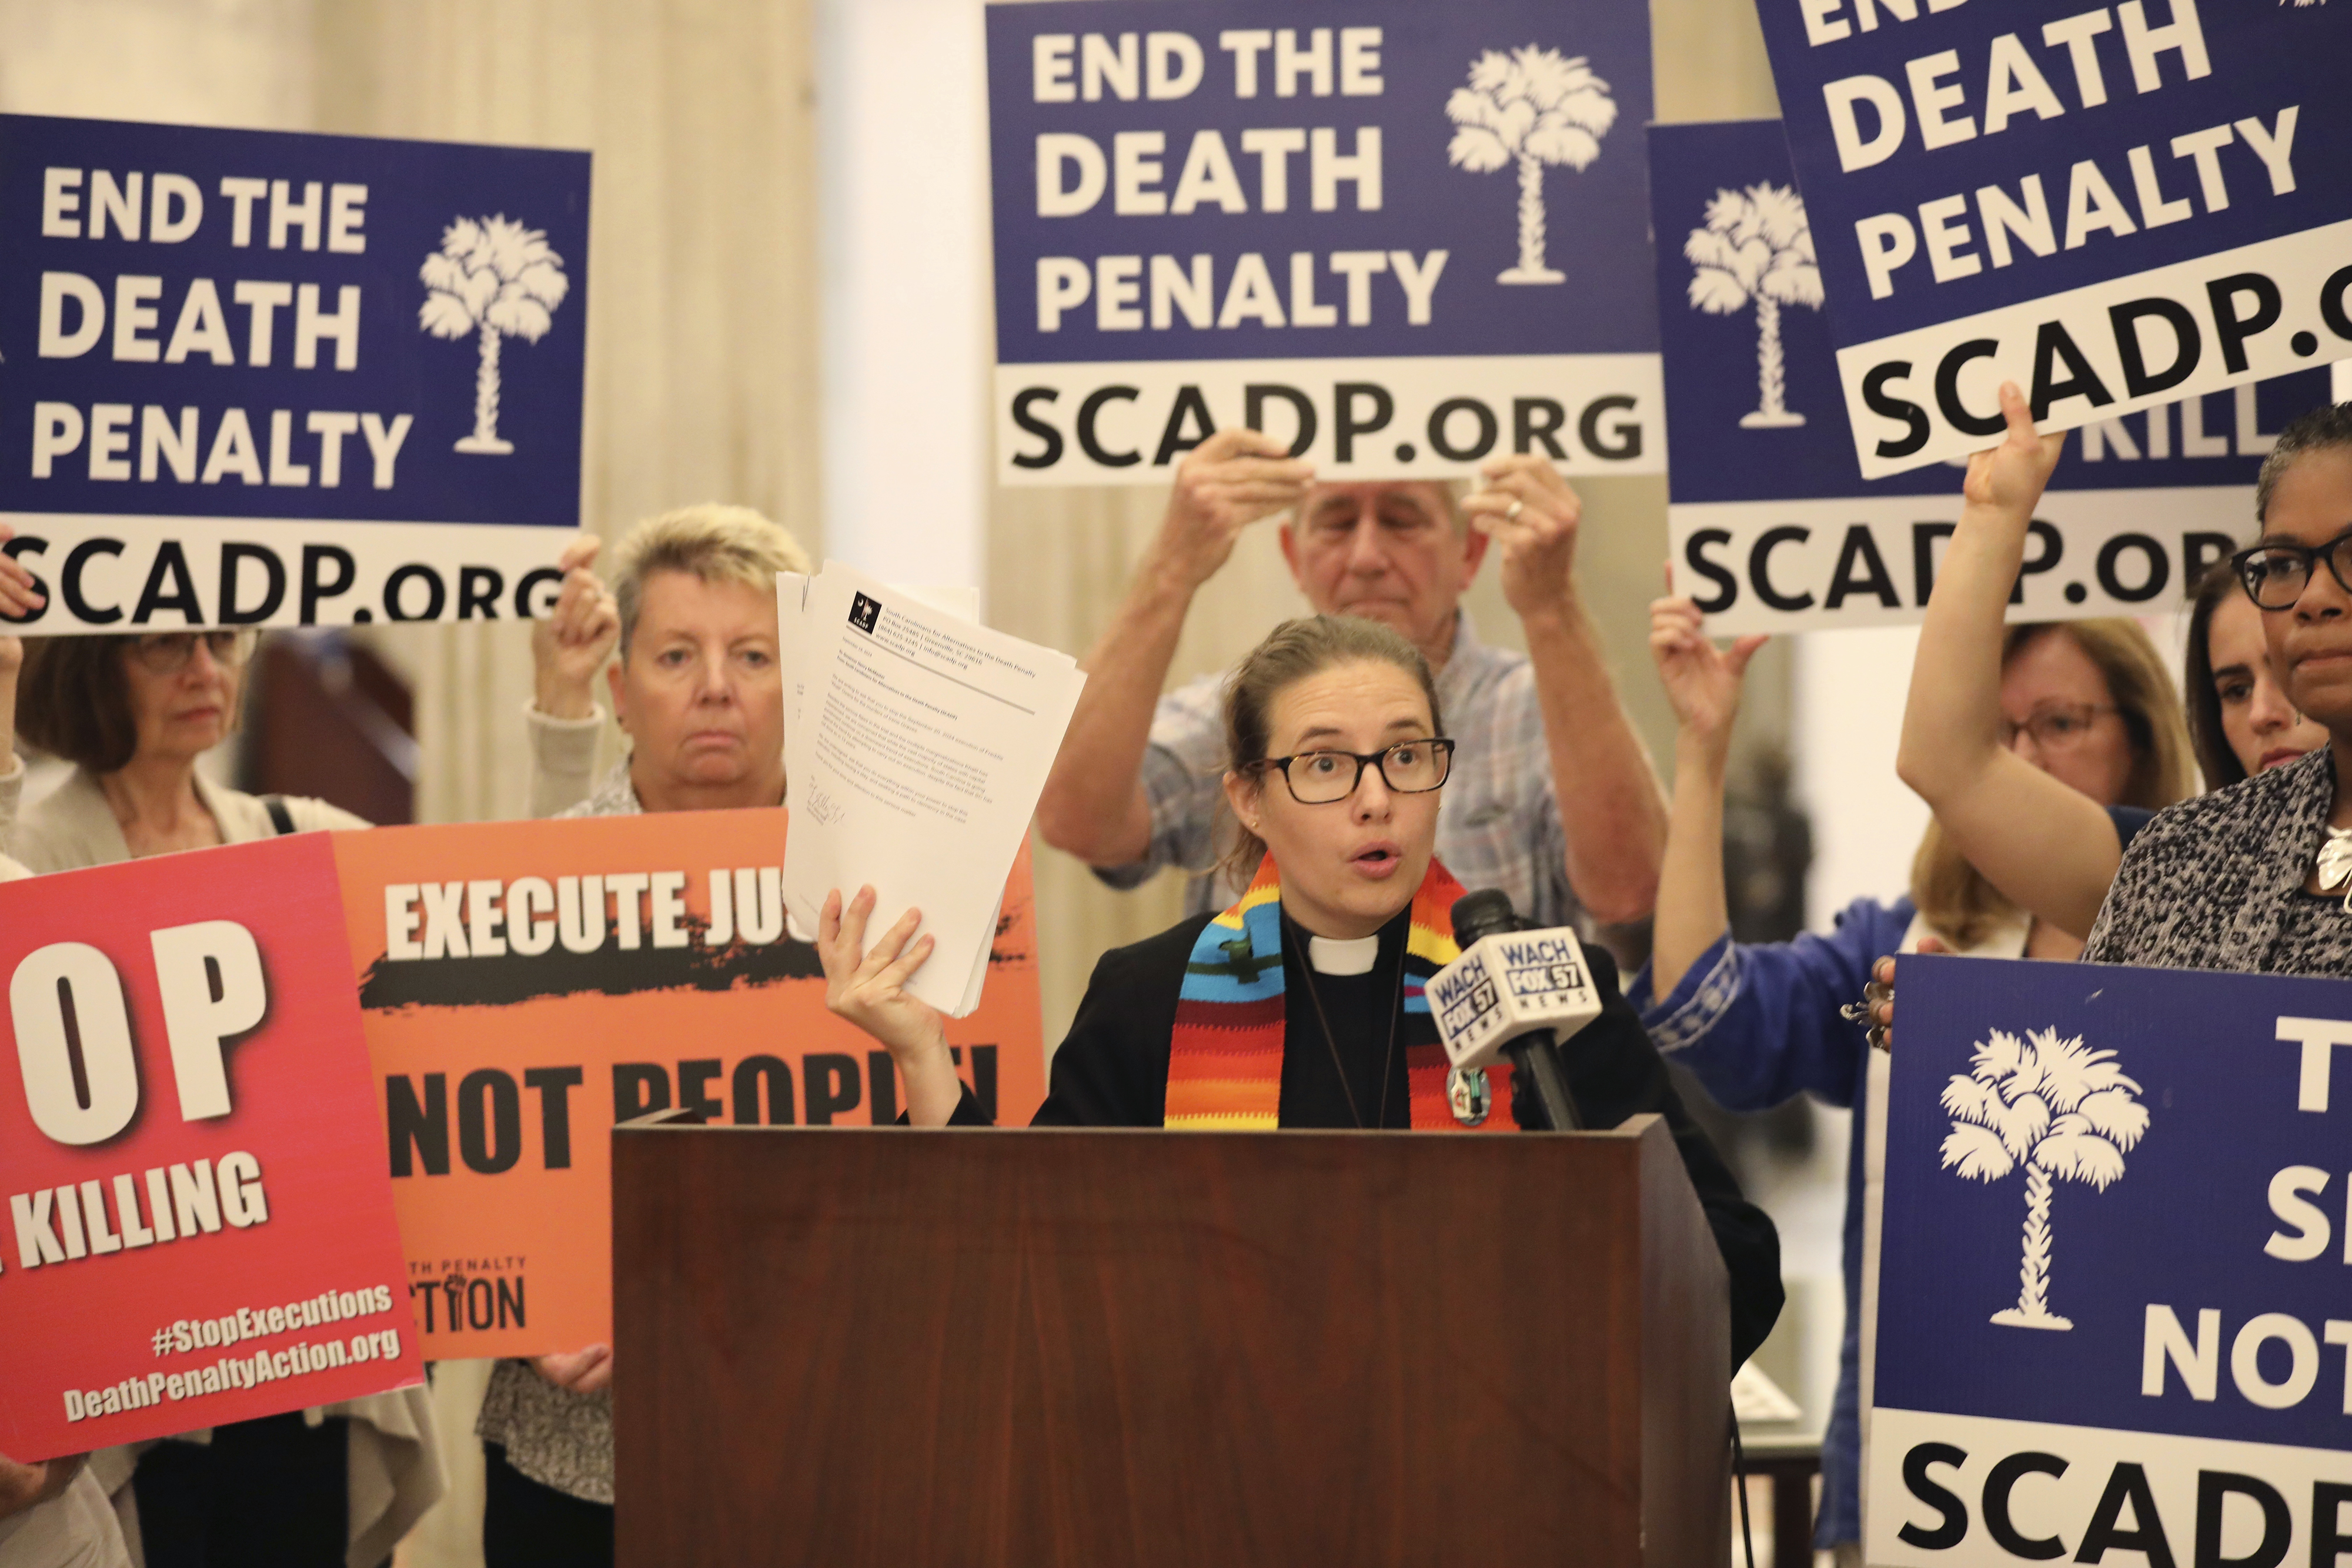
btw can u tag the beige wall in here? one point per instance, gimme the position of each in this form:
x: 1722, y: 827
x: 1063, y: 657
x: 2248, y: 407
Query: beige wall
x: 190, y: 62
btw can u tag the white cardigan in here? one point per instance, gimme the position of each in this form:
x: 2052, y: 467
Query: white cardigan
x: 74, y: 827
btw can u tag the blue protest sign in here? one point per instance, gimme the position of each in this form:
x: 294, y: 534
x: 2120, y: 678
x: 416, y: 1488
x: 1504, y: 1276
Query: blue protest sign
x: 2112, y: 1261
x: 1774, y: 527
x: 1403, y: 237
x: 2113, y: 207
x: 249, y: 378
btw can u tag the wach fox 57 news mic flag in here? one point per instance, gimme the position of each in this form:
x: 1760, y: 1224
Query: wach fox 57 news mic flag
x: 249, y: 378
x: 2109, y: 1268
x: 2113, y: 206
x: 199, y: 1224
x: 1778, y: 531
x: 1403, y: 238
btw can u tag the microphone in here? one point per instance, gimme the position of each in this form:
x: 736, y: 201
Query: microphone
x: 1514, y: 992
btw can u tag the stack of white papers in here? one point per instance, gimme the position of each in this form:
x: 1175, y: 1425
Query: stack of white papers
x: 916, y: 744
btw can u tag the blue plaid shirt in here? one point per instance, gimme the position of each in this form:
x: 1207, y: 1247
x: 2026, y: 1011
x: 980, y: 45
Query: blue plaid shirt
x: 1497, y: 821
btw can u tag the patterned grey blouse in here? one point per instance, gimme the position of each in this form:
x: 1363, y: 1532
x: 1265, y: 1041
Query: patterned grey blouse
x: 557, y: 1438
x: 2216, y: 883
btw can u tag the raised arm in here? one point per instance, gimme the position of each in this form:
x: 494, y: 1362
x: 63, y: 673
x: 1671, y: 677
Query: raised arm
x: 1093, y: 804
x: 570, y: 646
x: 1703, y: 684
x: 568, y: 649
x: 2050, y: 849
x: 18, y: 599
x: 1611, y: 808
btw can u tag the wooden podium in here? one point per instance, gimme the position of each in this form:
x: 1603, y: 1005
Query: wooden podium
x: 1100, y: 1348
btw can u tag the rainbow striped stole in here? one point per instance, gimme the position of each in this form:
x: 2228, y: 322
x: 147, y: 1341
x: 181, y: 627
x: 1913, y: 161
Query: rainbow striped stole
x: 1224, y: 1058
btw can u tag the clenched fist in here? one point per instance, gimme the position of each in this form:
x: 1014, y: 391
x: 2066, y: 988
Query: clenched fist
x: 569, y: 648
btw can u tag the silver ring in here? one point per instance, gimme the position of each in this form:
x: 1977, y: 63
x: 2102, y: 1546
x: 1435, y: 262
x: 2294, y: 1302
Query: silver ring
x: 1517, y: 507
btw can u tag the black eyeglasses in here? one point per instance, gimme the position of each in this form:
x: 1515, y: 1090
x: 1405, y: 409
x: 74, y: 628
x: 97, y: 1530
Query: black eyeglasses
x: 168, y: 652
x: 1325, y: 777
x: 2057, y: 726
x: 2275, y: 575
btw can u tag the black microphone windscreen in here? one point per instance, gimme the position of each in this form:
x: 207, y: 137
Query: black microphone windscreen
x: 1477, y: 916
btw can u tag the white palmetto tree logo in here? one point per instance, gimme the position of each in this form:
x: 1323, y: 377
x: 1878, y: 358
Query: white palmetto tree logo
x: 1757, y: 249
x: 1528, y: 107
x: 497, y: 278
x: 2055, y: 1108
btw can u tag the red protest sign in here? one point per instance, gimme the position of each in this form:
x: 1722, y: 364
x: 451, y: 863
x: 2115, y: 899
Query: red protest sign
x: 200, y: 1228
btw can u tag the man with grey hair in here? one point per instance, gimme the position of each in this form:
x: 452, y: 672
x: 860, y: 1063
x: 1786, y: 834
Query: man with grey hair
x: 699, y: 690
x: 1552, y: 798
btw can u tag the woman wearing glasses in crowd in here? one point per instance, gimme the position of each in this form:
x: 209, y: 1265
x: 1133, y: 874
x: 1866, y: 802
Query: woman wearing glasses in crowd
x: 2239, y: 715
x: 2041, y: 749
x: 2259, y: 877
x: 1301, y: 1006
x: 133, y: 715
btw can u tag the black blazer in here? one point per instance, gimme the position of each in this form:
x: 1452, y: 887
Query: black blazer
x: 1112, y: 1072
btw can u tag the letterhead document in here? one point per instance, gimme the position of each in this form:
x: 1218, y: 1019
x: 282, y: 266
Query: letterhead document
x: 792, y: 606
x: 918, y: 748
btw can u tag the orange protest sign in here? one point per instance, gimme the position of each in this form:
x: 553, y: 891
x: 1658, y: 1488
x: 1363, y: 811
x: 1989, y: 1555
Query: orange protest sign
x: 526, y: 985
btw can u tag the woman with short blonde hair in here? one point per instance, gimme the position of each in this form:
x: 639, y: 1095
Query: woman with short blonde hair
x: 698, y: 689
x: 698, y: 686
x: 713, y: 543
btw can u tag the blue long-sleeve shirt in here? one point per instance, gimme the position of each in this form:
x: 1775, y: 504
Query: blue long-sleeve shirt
x: 1758, y: 1024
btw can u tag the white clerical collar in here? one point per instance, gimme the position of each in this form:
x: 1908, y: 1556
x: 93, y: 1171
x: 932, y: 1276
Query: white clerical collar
x: 1335, y: 957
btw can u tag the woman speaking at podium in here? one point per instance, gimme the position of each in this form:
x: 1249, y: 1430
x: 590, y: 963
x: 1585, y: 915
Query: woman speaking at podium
x: 1301, y: 1006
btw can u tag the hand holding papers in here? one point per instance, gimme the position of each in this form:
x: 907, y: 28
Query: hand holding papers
x: 915, y: 754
